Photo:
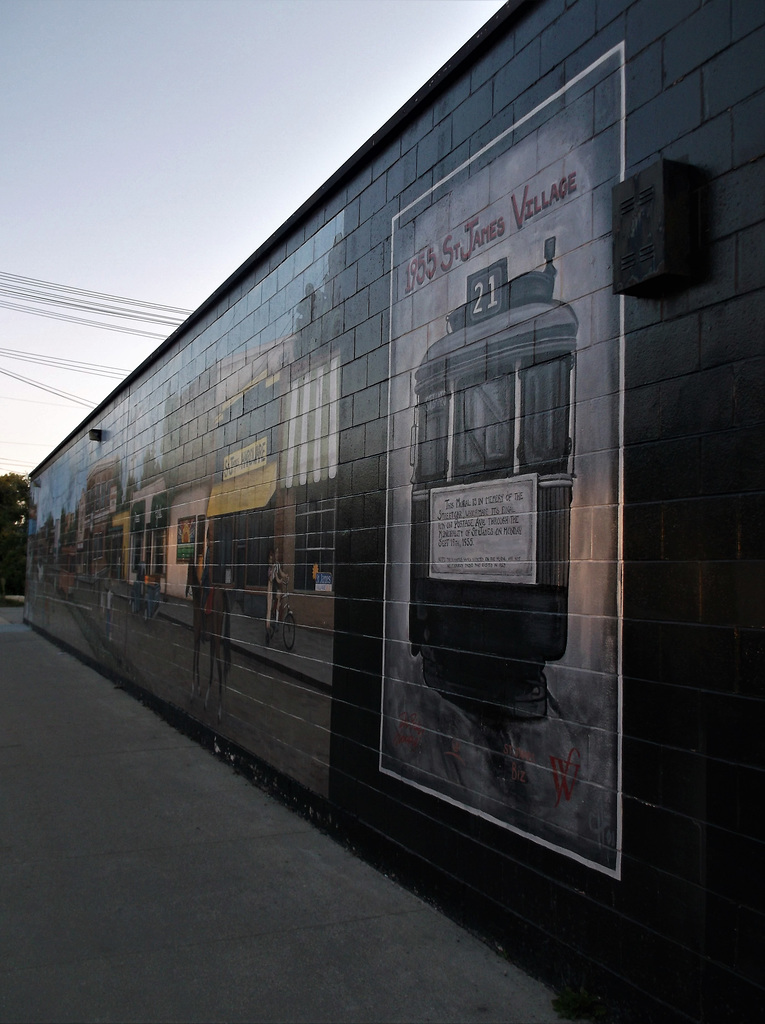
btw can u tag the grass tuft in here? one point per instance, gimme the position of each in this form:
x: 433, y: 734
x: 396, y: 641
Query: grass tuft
x: 578, y: 1005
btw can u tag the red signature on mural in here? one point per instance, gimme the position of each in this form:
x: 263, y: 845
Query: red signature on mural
x: 455, y: 750
x: 520, y: 752
x: 409, y: 731
x: 565, y: 774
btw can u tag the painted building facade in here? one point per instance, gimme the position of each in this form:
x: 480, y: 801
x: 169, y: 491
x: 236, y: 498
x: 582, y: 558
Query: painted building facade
x: 445, y: 512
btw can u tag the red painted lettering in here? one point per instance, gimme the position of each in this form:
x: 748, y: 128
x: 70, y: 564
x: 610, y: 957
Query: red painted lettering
x: 530, y: 206
x: 409, y: 732
x: 564, y: 784
x: 448, y: 257
x: 431, y: 262
x: 465, y: 254
x: 520, y: 214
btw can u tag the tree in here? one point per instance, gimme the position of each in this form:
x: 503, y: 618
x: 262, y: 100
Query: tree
x: 14, y: 515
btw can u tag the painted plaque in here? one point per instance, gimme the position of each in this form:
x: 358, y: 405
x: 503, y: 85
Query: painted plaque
x: 483, y: 531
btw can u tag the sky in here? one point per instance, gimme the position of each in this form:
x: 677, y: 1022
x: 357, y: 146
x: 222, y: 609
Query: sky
x: 150, y: 146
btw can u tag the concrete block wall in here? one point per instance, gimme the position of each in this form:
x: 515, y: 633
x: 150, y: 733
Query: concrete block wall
x: 572, y: 765
x: 693, y: 593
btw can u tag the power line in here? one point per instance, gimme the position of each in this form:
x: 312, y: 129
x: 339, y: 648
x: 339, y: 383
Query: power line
x: 122, y: 312
x: 82, y: 300
x: 45, y: 387
x: 34, y: 401
x: 33, y: 295
x: 64, y: 364
x: 80, y: 320
x: 18, y: 280
x: 28, y: 444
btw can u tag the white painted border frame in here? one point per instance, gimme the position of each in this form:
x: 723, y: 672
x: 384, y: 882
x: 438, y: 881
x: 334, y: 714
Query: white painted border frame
x: 614, y: 872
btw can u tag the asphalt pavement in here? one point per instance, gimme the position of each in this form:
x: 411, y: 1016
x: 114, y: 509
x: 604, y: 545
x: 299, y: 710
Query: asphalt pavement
x: 143, y: 880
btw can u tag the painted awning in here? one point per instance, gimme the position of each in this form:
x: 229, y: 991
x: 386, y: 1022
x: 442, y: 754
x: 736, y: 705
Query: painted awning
x: 248, y: 491
x: 313, y: 442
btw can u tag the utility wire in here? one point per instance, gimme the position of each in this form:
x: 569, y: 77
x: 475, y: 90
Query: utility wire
x: 82, y: 300
x: 123, y: 312
x: 34, y: 401
x: 64, y: 364
x: 80, y: 320
x: 78, y: 300
x: 17, y: 280
x: 27, y: 444
x: 53, y: 391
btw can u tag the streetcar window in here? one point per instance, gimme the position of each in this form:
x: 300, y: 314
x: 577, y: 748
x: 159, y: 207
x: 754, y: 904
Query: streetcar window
x: 432, y: 426
x: 545, y: 409
x: 484, y: 426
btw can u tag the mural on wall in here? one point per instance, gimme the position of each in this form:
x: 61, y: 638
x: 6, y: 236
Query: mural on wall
x: 194, y: 554
x: 501, y: 688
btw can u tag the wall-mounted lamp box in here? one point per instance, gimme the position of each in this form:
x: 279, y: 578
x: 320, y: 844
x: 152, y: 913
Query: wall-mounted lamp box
x: 656, y: 229
x: 95, y: 433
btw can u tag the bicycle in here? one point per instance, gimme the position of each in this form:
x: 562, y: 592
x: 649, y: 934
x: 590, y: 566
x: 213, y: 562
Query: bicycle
x: 285, y: 617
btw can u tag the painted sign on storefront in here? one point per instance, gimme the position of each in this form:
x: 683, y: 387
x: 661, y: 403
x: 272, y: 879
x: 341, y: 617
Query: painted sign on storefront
x: 252, y: 456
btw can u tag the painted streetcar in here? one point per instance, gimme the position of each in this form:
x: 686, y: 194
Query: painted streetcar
x: 493, y: 461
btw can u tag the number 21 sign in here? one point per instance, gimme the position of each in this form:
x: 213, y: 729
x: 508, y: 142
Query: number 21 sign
x: 487, y: 292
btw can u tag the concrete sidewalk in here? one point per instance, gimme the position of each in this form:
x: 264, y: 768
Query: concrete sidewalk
x: 144, y: 881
